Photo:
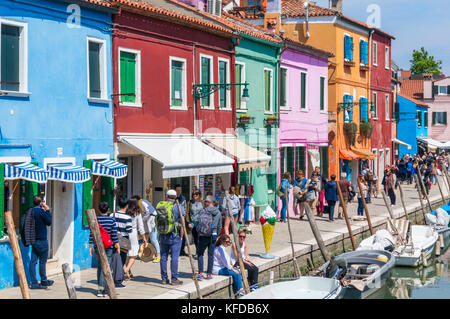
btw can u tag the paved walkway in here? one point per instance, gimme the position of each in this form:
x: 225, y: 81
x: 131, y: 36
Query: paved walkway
x: 146, y: 283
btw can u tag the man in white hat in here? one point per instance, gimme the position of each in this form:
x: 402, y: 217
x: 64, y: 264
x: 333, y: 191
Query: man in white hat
x: 170, y: 242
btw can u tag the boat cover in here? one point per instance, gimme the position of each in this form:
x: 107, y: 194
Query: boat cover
x: 440, y: 218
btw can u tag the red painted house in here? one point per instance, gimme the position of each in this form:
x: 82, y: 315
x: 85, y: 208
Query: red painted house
x: 159, y: 53
x: 381, y: 96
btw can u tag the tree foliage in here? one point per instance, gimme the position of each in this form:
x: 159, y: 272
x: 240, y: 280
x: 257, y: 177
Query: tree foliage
x: 422, y: 62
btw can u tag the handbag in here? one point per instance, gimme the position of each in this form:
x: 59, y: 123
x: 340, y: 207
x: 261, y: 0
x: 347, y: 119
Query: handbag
x: 279, y: 192
x: 124, y: 242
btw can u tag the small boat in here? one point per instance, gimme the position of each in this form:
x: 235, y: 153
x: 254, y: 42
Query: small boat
x: 409, y: 244
x: 361, y: 272
x: 439, y: 219
x: 303, y: 288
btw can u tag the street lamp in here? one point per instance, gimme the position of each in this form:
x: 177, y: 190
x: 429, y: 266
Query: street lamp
x: 204, y: 90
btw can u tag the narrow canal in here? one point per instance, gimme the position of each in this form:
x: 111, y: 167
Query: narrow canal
x: 431, y: 282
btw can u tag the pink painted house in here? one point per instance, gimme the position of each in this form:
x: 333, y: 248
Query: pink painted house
x: 303, y: 100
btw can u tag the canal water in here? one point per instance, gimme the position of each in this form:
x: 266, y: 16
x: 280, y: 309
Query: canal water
x: 431, y: 282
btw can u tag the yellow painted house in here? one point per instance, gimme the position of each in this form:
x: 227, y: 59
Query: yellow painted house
x: 349, y: 78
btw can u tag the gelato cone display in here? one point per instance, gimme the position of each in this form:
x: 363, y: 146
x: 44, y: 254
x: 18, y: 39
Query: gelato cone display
x: 268, y: 220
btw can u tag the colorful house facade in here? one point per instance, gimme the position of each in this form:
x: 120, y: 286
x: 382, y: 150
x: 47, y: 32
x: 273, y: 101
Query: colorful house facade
x: 55, y: 109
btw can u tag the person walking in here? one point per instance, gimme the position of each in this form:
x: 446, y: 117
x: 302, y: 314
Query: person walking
x: 312, y: 190
x: 195, y: 206
x: 346, y: 188
x: 208, y: 224
x: 134, y: 212
x: 252, y: 270
x: 170, y: 240
x: 222, y: 263
x: 183, y: 203
x: 390, y: 186
x: 285, y: 186
x: 300, y: 182
x: 433, y: 174
x: 321, y: 181
x: 235, y: 209
x: 331, y: 196
x: 40, y: 248
x: 361, y: 194
x: 110, y: 226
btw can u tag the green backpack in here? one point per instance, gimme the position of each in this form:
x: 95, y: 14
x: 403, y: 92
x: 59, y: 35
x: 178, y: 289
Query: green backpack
x: 165, y: 219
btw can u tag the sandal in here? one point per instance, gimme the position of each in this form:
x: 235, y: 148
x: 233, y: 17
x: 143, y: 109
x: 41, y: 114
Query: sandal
x: 200, y: 277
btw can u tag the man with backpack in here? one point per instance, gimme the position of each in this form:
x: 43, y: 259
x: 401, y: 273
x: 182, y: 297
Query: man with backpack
x: 35, y: 222
x: 208, y: 224
x: 170, y: 232
x: 108, y: 233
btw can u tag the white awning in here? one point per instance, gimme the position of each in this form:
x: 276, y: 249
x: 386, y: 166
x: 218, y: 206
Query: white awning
x: 401, y: 143
x: 180, y: 155
x: 433, y: 144
x: 246, y: 156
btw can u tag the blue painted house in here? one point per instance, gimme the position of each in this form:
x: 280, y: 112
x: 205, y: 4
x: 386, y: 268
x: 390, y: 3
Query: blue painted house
x: 412, y: 123
x: 55, y: 109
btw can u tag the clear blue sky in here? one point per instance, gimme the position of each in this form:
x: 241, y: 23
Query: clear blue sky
x: 414, y: 23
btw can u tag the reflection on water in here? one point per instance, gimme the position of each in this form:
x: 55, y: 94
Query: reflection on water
x: 432, y: 282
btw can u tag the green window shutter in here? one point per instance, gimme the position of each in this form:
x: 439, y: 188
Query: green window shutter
x: 324, y: 161
x: 205, y: 78
x: 290, y: 161
x: 10, y: 58
x: 445, y: 117
x: 435, y: 89
x: 107, y: 188
x: 322, y: 94
x: 419, y: 116
x: 2, y: 198
x: 448, y: 89
x: 300, y: 161
x: 434, y: 118
x: 177, y: 83
x: 238, y: 74
x: 127, y: 76
x: 303, y: 91
x: 283, y: 83
x: 267, y: 93
x: 87, y: 196
x: 94, y: 70
x: 222, y: 80
x: 425, y: 120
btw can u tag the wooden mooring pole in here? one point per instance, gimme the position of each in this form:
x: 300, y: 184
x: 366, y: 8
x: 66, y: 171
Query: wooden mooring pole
x: 402, y: 198
x: 69, y: 282
x: 294, y: 260
x: 365, y: 207
x: 102, y: 259
x: 424, y: 189
x: 420, y: 196
x: 344, y: 209
x: 194, y: 273
x: 440, y: 189
x: 445, y: 173
x: 316, y: 232
x: 388, y: 206
x: 17, y: 255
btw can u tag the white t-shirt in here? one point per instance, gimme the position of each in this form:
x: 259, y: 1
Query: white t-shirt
x: 234, y: 258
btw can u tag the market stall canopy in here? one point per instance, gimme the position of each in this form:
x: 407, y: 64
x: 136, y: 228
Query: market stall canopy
x: 363, y: 154
x: 246, y: 156
x: 69, y: 173
x: 434, y: 144
x: 109, y: 168
x: 348, y: 155
x: 26, y: 171
x: 180, y: 155
x: 395, y: 140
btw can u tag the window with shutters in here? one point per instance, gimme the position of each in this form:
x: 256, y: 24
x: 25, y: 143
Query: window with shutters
x: 425, y: 119
x: 419, y: 119
x: 374, y: 53
x: 287, y: 163
x: 206, y: 77
x: 364, y: 51
x: 386, y: 107
x: 348, y: 112
x: 224, y: 77
x: 240, y: 78
x: 322, y: 92
x: 364, y: 109
x: 374, y: 100
x: 284, y: 88
x: 13, y: 56
x: 348, y: 48
x: 268, y: 90
x: 214, y: 7
x: 130, y: 77
x: 439, y: 118
x: 303, y: 90
x: 178, y: 83
x: 386, y: 58
x: 97, y: 76
x: 442, y: 89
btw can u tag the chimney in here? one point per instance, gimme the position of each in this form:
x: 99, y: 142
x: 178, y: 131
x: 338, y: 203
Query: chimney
x: 336, y: 5
x: 427, y: 86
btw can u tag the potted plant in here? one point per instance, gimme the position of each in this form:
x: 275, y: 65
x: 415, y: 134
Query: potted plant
x: 271, y: 120
x: 350, y: 130
x: 366, y: 128
x: 244, y: 119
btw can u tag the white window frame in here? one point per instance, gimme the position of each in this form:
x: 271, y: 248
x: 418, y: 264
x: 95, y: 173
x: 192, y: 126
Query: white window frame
x: 360, y: 61
x: 227, y: 80
x: 306, y: 109
x: 23, y: 58
x: 271, y: 91
x: 286, y: 107
x: 375, y: 162
x: 325, y: 94
x: 375, y: 53
x: 103, y: 71
x: 138, y: 102
x: 387, y: 157
x: 243, y: 108
x: 387, y: 102
x: 439, y: 91
x: 183, y: 106
x: 375, y: 116
x: 386, y: 57
x: 211, y: 78
x: 346, y: 34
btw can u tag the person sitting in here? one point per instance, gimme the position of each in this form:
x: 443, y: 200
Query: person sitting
x: 252, y: 270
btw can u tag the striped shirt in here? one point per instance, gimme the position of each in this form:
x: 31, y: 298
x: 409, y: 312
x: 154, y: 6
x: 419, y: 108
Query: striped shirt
x: 109, y: 224
x: 124, y: 223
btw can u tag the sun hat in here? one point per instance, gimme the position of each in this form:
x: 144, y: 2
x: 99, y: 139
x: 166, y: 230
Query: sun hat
x: 171, y: 192
x: 146, y: 252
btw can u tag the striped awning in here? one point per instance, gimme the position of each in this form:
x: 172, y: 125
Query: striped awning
x: 69, y: 173
x: 26, y: 171
x: 109, y: 168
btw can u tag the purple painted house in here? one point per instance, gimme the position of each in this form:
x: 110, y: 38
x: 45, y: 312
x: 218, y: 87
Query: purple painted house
x: 303, y: 133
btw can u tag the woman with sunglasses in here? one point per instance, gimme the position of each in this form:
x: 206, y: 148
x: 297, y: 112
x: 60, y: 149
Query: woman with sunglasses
x: 252, y: 270
x: 222, y: 263
x: 194, y: 208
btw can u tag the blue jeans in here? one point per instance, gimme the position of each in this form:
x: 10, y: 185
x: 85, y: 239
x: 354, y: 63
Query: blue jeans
x: 331, y: 204
x: 283, y: 208
x: 360, y: 207
x: 170, y: 244
x: 237, y: 280
x: 100, y: 278
x: 203, y: 243
x: 433, y: 179
x: 154, y: 240
x: 39, y: 250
